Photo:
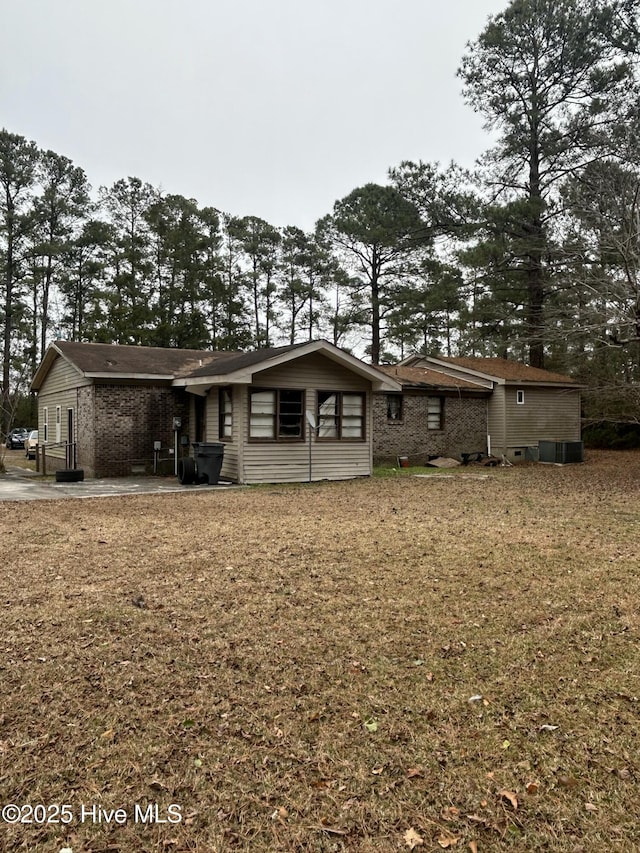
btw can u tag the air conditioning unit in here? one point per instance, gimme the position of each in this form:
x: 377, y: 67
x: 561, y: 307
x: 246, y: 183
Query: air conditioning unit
x: 561, y: 452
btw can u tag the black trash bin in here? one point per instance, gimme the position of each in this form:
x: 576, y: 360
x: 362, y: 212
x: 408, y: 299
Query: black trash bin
x: 208, y: 457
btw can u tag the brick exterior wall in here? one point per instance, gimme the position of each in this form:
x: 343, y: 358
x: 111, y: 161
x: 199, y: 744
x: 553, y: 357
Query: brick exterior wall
x: 126, y: 420
x: 464, y: 428
x: 85, y: 431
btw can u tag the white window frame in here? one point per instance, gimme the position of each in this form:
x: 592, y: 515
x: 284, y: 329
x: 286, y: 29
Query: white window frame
x: 45, y: 418
x: 520, y: 397
x: 58, y: 424
x: 435, y: 413
x: 225, y: 403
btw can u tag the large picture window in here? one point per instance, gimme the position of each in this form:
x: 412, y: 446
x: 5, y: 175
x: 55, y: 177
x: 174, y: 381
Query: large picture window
x: 276, y: 414
x: 341, y: 415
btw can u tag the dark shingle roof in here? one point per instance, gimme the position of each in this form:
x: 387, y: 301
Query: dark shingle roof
x: 126, y: 360
x: 233, y: 361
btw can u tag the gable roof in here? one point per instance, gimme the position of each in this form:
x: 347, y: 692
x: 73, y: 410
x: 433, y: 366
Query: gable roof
x: 243, y: 368
x: 196, y: 370
x: 423, y: 377
x: 100, y: 361
x: 499, y: 370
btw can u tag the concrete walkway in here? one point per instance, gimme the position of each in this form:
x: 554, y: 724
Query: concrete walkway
x: 22, y: 484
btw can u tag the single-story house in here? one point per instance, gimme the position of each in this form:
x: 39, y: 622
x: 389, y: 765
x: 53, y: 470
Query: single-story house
x: 450, y: 406
x: 286, y: 414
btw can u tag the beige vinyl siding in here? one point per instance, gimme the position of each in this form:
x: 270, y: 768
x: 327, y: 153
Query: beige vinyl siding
x: 550, y: 414
x: 230, y: 460
x: 282, y: 463
x: 496, y: 420
x: 312, y: 371
x: 66, y: 400
x: 59, y: 389
x: 288, y: 461
x: 61, y: 377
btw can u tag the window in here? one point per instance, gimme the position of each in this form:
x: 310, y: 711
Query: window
x: 58, y: 424
x: 394, y: 407
x: 434, y: 412
x: 45, y: 416
x: 340, y: 415
x: 225, y: 410
x: 520, y: 397
x: 276, y: 415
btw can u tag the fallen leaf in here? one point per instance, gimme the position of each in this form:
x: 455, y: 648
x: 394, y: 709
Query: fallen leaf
x: 280, y: 814
x: 473, y: 846
x: 377, y: 771
x: 371, y: 725
x: 590, y: 807
x: 412, y: 772
x: 532, y: 788
x: 412, y: 839
x: 510, y: 796
x: 450, y: 813
x: 108, y: 735
x: 446, y: 841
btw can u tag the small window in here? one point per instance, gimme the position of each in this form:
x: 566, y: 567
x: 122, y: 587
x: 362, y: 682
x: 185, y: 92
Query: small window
x: 341, y: 416
x: 520, y: 397
x: 394, y: 407
x: 58, y: 424
x: 225, y: 427
x: 276, y: 415
x: 45, y: 416
x: 434, y: 413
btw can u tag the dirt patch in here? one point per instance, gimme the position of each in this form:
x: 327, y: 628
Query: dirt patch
x: 356, y: 666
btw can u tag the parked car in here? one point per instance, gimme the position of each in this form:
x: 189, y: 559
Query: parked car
x: 17, y: 438
x: 31, y: 444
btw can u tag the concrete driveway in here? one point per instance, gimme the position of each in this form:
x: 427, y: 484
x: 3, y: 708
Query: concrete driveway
x: 21, y: 484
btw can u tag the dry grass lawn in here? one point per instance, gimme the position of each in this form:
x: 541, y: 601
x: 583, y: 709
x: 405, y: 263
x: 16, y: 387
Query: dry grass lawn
x: 448, y: 662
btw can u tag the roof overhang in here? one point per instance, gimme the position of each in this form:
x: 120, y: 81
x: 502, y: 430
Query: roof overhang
x: 119, y: 377
x: 483, y: 380
x: 51, y: 355
x: 54, y: 352
x: 487, y: 380
x: 248, y: 375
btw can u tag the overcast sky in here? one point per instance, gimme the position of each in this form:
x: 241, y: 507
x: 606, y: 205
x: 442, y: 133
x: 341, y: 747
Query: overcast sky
x: 272, y: 108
